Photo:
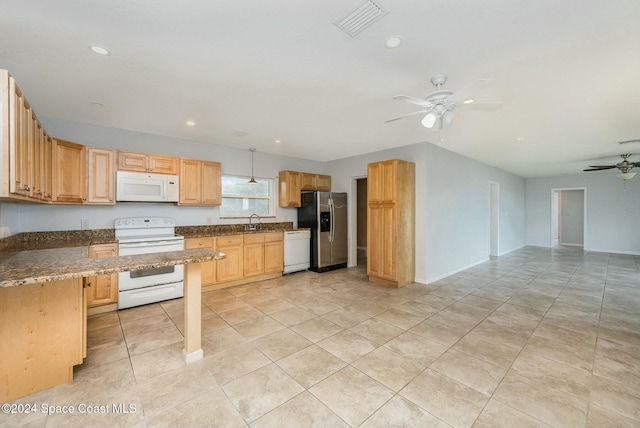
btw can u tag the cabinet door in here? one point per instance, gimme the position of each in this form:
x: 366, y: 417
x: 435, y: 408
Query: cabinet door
x: 19, y: 145
x: 208, y: 269
x: 381, y: 240
x: 323, y: 183
x: 253, y: 253
x: 163, y: 164
x: 69, y: 172
x: 308, y: 181
x: 381, y: 182
x: 103, y: 289
x: 101, y: 177
x: 130, y: 161
x: 290, y: 183
x: 47, y: 145
x: 190, y: 182
x: 229, y: 268
x: 211, y: 183
x: 42, y: 171
x: 273, y: 256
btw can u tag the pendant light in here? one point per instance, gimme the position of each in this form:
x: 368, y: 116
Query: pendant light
x: 253, y: 179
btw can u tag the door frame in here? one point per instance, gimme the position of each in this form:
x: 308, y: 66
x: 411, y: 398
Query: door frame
x: 556, y: 213
x: 494, y: 218
x: 352, y: 213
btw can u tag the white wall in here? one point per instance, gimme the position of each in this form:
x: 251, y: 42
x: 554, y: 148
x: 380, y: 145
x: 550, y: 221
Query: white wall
x: 452, y: 195
x: 612, y: 218
x: 458, y: 198
x: 34, y: 217
x: 452, y: 207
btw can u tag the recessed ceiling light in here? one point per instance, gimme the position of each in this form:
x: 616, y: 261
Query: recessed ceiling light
x: 393, y: 42
x: 99, y: 50
x: 469, y: 101
x: 520, y: 139
x: 277, y: 141
x: 190, y: 123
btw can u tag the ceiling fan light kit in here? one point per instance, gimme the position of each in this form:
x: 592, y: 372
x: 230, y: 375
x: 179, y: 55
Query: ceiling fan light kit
x: 440, y: 104
x: 429, y: 120
x: 626, y: 175
x: 625, y: 168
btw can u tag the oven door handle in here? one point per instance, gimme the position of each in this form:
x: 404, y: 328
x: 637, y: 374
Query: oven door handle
x: 125, y: 245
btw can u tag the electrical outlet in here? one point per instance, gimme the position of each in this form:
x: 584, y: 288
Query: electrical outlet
x: 285, y: 218
x: 84, y: 223
x: 209, y: 220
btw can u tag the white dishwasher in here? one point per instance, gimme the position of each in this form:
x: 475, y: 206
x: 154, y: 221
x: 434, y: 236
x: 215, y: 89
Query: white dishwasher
x: 297, y: 249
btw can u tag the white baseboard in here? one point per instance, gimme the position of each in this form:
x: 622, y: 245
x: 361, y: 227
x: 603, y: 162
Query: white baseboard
x: 438, y: 278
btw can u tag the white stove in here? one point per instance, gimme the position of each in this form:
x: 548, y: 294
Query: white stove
x: 145, y: 235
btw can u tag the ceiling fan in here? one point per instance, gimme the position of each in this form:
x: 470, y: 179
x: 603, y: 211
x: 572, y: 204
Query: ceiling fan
x: 440, y: 104
x: 625, y: 167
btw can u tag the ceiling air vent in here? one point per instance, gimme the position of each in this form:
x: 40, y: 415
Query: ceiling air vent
x: 361, y: 17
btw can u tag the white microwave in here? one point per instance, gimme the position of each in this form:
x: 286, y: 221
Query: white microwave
x: 145, y: 187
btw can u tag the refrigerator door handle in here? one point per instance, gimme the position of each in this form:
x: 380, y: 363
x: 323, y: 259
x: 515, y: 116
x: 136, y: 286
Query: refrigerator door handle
x: 331, y: 220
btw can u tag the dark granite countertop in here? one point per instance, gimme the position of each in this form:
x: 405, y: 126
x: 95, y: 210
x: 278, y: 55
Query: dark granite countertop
x: 32, y: 266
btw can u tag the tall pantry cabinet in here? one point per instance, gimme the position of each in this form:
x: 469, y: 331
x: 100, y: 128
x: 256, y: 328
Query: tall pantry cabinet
x: 391, y: 222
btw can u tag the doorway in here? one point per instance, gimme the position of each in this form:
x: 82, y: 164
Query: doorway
x: 361, y: 238
x: 494, y: 219
x: 568, y: 216
x: 358, y: 221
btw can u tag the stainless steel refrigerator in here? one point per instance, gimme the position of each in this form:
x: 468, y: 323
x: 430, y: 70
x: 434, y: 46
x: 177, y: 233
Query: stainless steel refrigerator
x: 325, y: 213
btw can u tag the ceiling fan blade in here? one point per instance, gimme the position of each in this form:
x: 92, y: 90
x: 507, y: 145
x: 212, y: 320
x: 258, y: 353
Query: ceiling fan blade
x: 629, y: 141
x: 466, y: 92
x: 600, y: 168
x: 407, y: 115
x: 486, y: 106
x: 413, y: 100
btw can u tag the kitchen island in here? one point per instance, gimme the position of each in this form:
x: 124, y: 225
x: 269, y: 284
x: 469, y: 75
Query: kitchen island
x: 43, y: 312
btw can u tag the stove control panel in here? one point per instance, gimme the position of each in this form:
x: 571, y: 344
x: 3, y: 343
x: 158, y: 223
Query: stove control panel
x: 144, y: 222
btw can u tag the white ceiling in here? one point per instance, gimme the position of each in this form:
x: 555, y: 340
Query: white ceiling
x: 567, y: 72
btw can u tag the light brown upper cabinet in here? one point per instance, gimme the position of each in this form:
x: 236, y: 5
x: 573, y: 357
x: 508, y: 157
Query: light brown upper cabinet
x: 69, y: 167
x: 25, y: 147
x: 200, y: 182
x: 291, y: 183
x: 321, y: 183
x: 101, y: 176
x: 391, y: 222
x: 143, y: 162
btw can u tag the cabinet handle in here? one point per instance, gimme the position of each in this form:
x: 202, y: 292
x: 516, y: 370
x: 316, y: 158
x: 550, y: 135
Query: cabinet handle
x: 39, y: 193
x: 88, y: 284
x: 26, y: 187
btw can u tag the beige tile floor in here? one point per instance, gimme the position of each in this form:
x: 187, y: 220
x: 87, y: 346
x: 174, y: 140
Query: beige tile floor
x: 536, y: 338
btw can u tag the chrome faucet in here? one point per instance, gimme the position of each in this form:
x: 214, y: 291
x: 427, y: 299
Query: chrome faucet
x: 253, y: 226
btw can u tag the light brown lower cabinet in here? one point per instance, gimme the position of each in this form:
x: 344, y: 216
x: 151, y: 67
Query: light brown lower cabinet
x: 42, y: 336
x: 102, y: 289
x: 208, y: 269
x: 263, y: 253
x: 229, y: 268
x: 248, y: 257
